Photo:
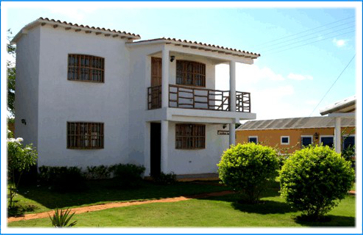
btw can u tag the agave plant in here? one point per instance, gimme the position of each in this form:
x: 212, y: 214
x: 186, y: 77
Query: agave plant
x: 61, y: 218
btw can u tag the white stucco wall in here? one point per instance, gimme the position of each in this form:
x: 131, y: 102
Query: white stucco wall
x: 61, y: 100
x: 181, y: 161
x: 139, y: 136
x: 203, y: 161
x: 47, y: 100
x: 26, y: 100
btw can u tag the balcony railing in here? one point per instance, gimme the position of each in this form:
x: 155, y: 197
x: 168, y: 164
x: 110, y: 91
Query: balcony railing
x: 198, y: 98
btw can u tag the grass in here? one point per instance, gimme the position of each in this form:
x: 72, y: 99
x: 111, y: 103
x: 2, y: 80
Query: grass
x: 211, y: 212
x: 35, y: 199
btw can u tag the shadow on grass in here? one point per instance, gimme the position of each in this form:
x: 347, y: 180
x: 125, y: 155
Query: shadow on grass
x: 103, y: 191
x: 328, y: 221
x: 18, y: 211
x: 264, y: 207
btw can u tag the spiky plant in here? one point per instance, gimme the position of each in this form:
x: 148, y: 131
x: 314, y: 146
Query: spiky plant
x: 61, y: 218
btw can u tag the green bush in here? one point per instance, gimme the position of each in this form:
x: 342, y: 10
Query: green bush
x: 128, y: 175
x: 349, y: 155
x: 62, y: 179
x: 97, y: 172
x: 165, y: 179
x: 314, y: 179
x: 248, y: 168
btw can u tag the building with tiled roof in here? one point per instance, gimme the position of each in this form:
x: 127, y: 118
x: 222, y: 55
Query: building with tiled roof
x: 89, y: 96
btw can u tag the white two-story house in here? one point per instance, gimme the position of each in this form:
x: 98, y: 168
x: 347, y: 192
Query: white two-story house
x: 88, y: 96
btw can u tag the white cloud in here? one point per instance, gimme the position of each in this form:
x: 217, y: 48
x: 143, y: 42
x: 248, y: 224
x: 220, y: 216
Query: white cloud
x: 272, y: 96
x: 340, y: 42
x: 299, y: 77
x: 249, y: 74
x: 255, y: 74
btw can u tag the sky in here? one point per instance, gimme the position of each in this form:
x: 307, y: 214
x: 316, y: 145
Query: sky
x: 303, y: 49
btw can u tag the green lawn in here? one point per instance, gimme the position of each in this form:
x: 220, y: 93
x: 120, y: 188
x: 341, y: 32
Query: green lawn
x: 211, y: 212
x: 34, y: 199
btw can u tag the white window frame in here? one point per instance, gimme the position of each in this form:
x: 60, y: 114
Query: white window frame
x: 311, y: 136
x: 253, y: 137
x: 322, y: 136
x: 288, y: 140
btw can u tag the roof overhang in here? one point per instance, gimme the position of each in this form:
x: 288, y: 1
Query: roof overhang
x: 77, y: 28
x: 197, y: 46
x: 343, y: 106
x: 342, y: 115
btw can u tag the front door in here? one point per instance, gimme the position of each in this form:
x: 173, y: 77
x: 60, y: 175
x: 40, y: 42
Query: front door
x: 156, y: 82
x: 155, y: 149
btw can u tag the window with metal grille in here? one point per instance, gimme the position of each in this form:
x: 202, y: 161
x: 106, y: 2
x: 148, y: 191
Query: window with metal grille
x: 85, y: 135
x: 190, y: 73
x: 86, y: 68
x: 189, y: 136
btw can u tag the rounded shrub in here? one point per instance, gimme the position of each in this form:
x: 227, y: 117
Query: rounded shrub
x: 248, y: 168
x: 314, y: 179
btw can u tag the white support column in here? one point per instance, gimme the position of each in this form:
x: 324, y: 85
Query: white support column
x: 164, y: 146
x: 337, y: 135
x: 165, y: 78
x: 232, y: 85
x: 232, y: 134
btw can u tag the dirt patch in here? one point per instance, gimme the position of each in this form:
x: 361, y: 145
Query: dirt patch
x: 86, y: 209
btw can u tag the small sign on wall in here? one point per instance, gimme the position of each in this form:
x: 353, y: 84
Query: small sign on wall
x: 222, y: 132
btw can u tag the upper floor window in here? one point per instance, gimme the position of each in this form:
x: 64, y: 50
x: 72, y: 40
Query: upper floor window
x: 85, y: 135
x: 86, y: 68
x: 189, y: 136
x: 190, y: 73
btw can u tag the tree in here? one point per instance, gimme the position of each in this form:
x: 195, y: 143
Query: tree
x: 20, y: 159
x: 11, y: 70
x: 248, y: 168
x: 314, y: 179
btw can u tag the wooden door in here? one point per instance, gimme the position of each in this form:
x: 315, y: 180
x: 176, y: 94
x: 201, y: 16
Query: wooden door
x: 156, y: 71
x: 156, y: 82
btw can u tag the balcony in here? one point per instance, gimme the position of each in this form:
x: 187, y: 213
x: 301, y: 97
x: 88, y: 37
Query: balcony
x: 198, y: 98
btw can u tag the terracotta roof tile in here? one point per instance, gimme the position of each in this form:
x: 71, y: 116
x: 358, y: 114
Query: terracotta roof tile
x: 135, y: 36
x: 201, y: 44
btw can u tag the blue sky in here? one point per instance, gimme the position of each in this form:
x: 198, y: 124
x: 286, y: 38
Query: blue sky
x: 288, y: 80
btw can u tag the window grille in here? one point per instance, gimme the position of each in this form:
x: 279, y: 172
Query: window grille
x: 86, y: 68
x: 190, y: 73
x: 189, y: 136
x: 85, y: 135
